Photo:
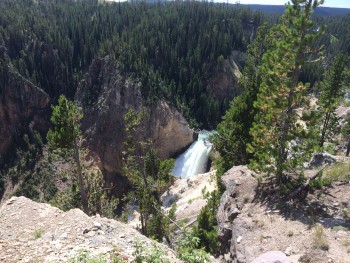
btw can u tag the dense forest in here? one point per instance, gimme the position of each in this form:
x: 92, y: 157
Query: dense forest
x: 172, y: 48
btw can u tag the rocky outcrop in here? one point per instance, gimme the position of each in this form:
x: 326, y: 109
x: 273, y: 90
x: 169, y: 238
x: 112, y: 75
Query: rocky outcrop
x: 38, y: 232
x: 188, y: 196
x: 323, y: 158
x: 230, y: 225
x: 105, y: 95
x: 169, y: 130
x: 23, y: 106
x: 257, y: 223
x: 224, y: 83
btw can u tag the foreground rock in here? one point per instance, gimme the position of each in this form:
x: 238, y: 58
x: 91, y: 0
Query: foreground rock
x: 37, y: 232
x: 313, y: 230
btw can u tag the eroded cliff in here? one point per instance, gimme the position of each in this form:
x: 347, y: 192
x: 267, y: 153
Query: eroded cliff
x: 23, y: 106
x: 105, y: 95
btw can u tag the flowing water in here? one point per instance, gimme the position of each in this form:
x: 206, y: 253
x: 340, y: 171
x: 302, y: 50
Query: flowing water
x: 195, y: 159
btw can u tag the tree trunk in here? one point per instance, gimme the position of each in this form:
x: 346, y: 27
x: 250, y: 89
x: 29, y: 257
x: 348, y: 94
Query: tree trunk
x: 324, y: 128
x: 348, y: 148
x: 84, y: 199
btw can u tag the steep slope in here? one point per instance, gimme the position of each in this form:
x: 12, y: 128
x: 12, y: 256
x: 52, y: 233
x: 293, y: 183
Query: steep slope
x: 37, y: 232
x: 23, y: 106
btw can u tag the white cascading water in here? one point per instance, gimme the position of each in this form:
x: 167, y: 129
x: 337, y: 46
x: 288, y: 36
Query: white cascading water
x: 194, y: 160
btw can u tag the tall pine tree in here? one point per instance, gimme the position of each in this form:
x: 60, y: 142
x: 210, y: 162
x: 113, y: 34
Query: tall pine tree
x: 278, y: 144
x: 65, y: 134
x: 233, y: 132
x: 332, y: 91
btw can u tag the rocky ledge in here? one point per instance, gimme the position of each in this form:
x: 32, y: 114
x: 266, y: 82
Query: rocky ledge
x: 38, y: 232
x: 310, y: 230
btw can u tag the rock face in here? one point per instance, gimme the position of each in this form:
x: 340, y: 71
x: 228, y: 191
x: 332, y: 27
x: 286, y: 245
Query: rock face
x: 255, y: 219
x: 105, y: 95
x: 322, y: 158
x: 169, y: 130
x: 37, y: 232
x: 224, y: 83
x: 230, y: 225
x: 23, y: 106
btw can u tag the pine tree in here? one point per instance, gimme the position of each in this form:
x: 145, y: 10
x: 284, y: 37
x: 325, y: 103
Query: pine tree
x: 147, y: 174
x: 278, y: 144
x: 65, y: 134
x: 233, y: 132
x: 332, y: 91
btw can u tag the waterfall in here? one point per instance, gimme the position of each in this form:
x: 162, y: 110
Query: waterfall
x: 194, y: 160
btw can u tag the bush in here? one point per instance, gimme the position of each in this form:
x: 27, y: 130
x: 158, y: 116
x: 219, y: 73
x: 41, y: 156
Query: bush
x: 188, y: 249
x: 206, y: 230
x: 153, y: 254
x: 38, y: 233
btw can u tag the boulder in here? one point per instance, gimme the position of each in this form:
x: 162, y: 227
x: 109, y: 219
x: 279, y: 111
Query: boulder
x: 319, y: 159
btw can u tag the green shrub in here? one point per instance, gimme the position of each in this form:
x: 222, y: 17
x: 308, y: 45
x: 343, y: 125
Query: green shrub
x: 38, y: 233
x: 85, y: 257
x: 188, y: 249
x: 152, y: 254
x: 206, y: 229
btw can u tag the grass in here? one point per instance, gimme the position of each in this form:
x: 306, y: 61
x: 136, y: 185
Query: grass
x: 320, y: 240
x: 339, y: 228
x: 338, y: 172
x: 38, y: 233
x: 85, y: 257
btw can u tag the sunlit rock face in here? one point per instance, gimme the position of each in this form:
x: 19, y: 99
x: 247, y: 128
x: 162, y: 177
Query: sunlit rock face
x: 105, y: 95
